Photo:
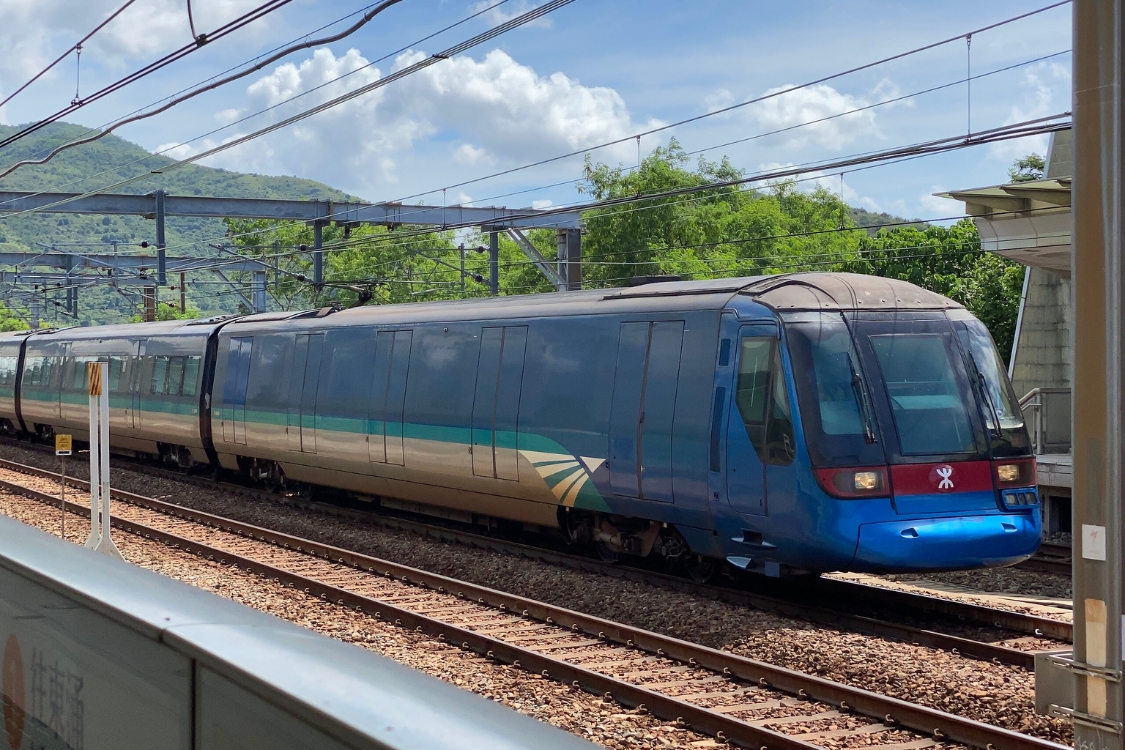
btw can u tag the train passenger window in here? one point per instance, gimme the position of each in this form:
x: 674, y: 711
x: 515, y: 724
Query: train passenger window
x: 781, y: 447
x: 191, y: 376
x: 753, y: 382
x: 159, y: 375
x: 926, y: 400
x: 116, y: 368
x: 38, y: 371
x: 8, y: 366
x: 174, y: 381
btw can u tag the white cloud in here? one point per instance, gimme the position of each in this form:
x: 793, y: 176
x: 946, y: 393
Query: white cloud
x: 936, y: 207
x: 469, y: 155
x: 227, y: 116
x: 510, y: 10
x: 718, y: 99
x: 33, y: 32
x: 497, y: 110
x: 1039, y: 87
x: 541, y: 204
x: 812, y: 103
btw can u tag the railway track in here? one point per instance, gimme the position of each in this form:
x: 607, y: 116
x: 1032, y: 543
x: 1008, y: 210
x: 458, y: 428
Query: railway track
x: 1051, y: 558
x: 824, y: 602
x: 729, y: 697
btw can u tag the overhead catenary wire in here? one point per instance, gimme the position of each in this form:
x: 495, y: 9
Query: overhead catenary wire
x: 228, y: 28
x: 496, y: 31
x: 211, y: 85
x: 731, y: 108
x: 76, y: 46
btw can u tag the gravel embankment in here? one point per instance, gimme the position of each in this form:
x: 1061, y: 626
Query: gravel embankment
x: 996, y: 694
x: 604, y: 722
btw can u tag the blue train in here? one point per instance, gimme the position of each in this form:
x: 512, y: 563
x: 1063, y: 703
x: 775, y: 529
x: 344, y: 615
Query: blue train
x: 800, y: 422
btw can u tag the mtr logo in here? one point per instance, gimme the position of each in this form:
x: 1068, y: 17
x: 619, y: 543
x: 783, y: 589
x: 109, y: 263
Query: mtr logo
x: 942, y: 478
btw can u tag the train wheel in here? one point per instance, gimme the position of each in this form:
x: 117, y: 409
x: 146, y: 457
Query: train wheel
x: 700, y: 569
x: 605, y: 554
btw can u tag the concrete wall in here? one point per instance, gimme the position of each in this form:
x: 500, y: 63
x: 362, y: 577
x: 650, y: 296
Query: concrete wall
x: 1043, y: 358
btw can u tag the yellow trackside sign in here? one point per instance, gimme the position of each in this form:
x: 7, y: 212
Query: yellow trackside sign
x: 94, y: 377
x: 63, y: 445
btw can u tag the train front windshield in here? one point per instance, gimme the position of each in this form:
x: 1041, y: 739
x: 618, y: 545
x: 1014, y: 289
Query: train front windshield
x: 879, y: 389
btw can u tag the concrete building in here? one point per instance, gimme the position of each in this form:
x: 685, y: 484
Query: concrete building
x: 1030, y: 223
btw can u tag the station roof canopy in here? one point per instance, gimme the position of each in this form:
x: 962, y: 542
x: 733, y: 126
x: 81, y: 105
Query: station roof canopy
x: 1029, y: 222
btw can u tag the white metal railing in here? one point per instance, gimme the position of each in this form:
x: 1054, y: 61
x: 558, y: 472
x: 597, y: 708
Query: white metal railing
x: 1046, y: 412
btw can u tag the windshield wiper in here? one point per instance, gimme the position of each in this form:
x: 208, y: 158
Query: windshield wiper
x: 982, y: 388
x: 861, y: 401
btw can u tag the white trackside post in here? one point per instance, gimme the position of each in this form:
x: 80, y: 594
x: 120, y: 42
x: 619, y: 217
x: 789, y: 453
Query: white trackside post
x: 100, y: 540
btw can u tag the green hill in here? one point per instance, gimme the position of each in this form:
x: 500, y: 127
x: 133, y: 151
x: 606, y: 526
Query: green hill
x: 107, y: 161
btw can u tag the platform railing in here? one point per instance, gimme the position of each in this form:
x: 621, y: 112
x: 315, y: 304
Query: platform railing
x: 1046, y: 412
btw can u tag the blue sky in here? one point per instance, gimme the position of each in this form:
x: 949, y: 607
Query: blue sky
x: 592, y: 71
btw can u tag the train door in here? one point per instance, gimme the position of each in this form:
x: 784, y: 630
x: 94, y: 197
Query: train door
x: 136, y: 369
x: 760, y: 442
x: 388, y: 396
x: 643, y: 407
x: 234, y: 390
x: 301, y: 422
x: 497, y: 401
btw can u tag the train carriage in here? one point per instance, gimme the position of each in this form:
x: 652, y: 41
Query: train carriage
x: 156, y: 386
x: 11, y: 346
x: 801, y: 422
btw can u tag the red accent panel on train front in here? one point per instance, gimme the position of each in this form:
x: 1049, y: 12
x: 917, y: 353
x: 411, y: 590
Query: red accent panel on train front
x: 942, y: 478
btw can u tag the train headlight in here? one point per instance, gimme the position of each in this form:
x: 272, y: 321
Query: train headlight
x: 1018, y: 472
x: 866, y: 481
x: 1008, y: 473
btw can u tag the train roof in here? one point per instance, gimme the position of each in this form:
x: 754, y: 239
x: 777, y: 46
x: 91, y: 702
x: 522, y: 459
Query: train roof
x: 782, y: 293
x: 793, y: 292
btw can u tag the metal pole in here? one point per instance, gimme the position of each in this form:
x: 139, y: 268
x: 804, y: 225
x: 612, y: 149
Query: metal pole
x: 183, y: 293
x: 1099, y: 377
x: 258, y: 293
x: 462, y: 249
x: 494, y: 263
x: 35, y: 312
x: 318, y: 254
x: 161, y: 261
x: 94, y: 539
x: 149, y: 295
x: 62, y: 498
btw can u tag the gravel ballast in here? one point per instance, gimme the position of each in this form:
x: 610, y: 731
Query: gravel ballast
x: 996, y: 694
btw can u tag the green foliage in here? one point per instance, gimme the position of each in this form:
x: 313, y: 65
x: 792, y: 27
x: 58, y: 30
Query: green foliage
x: 9, y: 321
x: 714, y: 233
x: 1030, y: 167
x: 166, y: 311
x: 106, y: 162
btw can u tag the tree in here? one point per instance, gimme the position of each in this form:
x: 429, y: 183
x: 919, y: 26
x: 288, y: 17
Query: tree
x: 9, y: 321
x: 1030, y: 167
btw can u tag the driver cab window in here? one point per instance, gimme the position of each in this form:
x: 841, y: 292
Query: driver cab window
x: 763, y: 402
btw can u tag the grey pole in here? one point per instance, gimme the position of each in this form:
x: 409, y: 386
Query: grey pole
x: 161, y: 262
x: 494, y: 263
x: 318, y: 254
x: 1099, y: 377
x: 35, y: 312
x: 462, y: 249
x: 259, y: 291
x: 570, y: 257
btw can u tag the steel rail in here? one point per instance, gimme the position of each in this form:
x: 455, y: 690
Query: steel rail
x: 812, y: 612
x: 892, y: 712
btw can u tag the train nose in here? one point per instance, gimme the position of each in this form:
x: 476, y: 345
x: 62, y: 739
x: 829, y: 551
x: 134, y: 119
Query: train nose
x: 946, y: 543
